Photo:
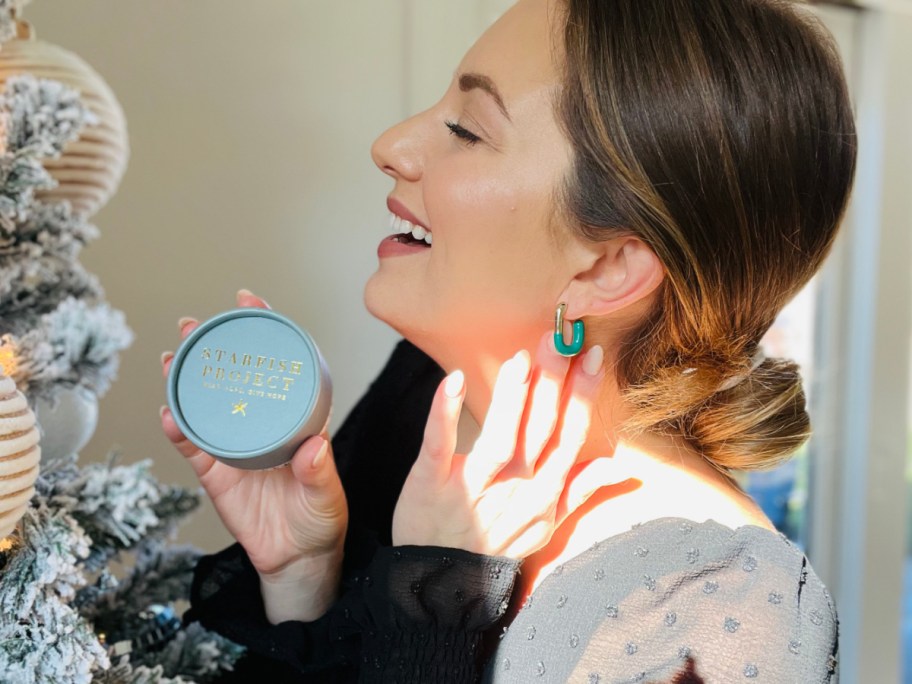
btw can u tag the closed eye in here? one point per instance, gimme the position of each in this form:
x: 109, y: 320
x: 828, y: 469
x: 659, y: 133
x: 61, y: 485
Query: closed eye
x: 460, y: 132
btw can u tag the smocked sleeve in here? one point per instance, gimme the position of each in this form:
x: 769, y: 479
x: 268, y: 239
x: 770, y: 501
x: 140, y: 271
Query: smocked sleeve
x: 416, y: 614
x: 425, y: 612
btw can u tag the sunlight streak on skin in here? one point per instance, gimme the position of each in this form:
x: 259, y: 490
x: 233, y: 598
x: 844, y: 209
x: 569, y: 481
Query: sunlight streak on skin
x: 545, y: 486
x: 574, y: 429
x: 495, y: 446
x: 541, y: 420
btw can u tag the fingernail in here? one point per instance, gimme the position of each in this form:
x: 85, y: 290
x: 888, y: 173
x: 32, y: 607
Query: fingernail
x: 181, y: 322
x: 522, y: 364
x: 161, y: 411
x: 454, y: 384
x: 592, y: 361
x: 321, y: 455
x: 551, y: 344
x: 245, y: 293
x: 165, y: 356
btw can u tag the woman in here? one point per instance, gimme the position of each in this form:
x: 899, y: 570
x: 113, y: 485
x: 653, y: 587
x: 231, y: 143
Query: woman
x: 665, y: 173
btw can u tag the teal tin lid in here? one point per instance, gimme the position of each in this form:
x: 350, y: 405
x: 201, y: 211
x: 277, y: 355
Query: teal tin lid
x: 248, y: 386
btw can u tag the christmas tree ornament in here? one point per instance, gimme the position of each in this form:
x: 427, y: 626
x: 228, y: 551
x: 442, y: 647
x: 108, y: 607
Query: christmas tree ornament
x: 66, y: 422
x: 91, y: 167
x: 59, y: 344
x: 19, y: 455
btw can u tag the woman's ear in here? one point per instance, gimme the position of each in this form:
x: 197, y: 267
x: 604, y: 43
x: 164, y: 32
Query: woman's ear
x: 617, y: 273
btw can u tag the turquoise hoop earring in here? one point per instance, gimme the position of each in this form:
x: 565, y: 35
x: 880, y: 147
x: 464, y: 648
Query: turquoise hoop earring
x: 579, y: 333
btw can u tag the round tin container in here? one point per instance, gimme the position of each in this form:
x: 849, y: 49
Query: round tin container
x: 249, y: 387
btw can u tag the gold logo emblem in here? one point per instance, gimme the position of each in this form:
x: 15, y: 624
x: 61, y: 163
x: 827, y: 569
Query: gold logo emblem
x: 240, y: 408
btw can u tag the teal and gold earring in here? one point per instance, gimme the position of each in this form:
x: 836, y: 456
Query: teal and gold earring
x: 579, y: 332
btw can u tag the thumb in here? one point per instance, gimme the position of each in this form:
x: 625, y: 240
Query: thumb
x: 435, y: 458
x: 247, y: 298
x: 314, y: 467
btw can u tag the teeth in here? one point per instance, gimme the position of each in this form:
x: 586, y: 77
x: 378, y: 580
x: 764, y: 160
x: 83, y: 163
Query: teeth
x: 403, y: 227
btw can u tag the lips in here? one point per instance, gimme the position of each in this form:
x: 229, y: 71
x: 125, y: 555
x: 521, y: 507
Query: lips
x: 400, y: 210
x: 411, y: 235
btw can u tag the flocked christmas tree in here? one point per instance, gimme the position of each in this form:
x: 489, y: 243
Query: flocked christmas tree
x: 65, y: 614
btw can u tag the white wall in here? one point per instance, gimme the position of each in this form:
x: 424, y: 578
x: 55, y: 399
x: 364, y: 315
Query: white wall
x: 251, y: 126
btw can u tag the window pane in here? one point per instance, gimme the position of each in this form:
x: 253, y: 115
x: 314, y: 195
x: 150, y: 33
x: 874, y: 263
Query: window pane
x: 906, y: 625
x: 783, y: 492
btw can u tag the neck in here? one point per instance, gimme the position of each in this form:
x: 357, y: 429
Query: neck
x: 657, y: 469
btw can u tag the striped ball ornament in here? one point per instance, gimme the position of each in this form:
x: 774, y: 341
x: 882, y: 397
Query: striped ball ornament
x: 20, y: 454
x: 91, y: 166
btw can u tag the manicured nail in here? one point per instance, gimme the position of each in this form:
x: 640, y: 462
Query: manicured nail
x: 454, y: 384
x: 522, y: 364
x: 321, y: 455
x: 161, y: 411
x: 592, y: 361
x: 551, y: 344
x: 165, y: 356
x: 181, y: 322
x: 245, y: 293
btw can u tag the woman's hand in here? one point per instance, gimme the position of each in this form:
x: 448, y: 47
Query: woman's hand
x: 516, y: 486
x: 291, y: 521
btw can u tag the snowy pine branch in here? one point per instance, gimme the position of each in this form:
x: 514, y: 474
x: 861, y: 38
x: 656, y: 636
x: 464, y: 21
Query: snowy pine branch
x: 42, y: 637
x: 42, y: 116
x: 116, y: 505
x: 39, y: 118
x: 196, y: 653
x: 9, y: 9
x: 76, y: 344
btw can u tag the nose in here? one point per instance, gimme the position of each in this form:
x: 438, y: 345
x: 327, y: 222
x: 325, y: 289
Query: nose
x: 398, y: 152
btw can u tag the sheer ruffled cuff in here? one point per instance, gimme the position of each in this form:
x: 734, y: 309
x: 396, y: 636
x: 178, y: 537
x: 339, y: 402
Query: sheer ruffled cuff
x: 427, y: 609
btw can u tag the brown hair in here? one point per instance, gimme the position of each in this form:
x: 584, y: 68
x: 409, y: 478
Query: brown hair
x: 720, y: 132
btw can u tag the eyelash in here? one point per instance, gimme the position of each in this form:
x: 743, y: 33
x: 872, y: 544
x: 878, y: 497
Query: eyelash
x: 460, y: 132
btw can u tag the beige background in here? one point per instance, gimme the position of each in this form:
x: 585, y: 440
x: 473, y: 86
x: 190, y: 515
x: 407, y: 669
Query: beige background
x: 250, y: 126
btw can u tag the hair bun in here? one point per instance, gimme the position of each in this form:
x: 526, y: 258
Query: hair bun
x: 757, y: 423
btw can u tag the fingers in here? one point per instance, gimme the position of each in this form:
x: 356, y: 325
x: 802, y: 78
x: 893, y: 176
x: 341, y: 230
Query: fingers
x: 496, y: 444
x: 545, y: 390
x: 579, y: 402
x: 530, y: 540
x: 200, y: 461
x: 314, y: 467
x: 166, y: 360
x: 247, y: 298
x: 436, y: 454
x: 187, y: 324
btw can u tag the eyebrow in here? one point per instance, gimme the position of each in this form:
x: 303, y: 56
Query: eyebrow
x: 470, y: 81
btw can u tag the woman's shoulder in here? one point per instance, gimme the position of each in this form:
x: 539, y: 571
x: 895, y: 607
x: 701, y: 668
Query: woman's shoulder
x: 683, y: 551
x: 673, y: 593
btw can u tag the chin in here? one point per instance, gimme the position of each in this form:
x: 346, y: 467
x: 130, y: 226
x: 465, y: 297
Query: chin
x: 386, y: 306
x: 394, y: 311
x: 377, y: 302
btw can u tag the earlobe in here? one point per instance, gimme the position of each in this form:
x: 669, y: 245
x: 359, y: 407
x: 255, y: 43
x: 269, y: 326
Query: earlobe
x: 625, y: 271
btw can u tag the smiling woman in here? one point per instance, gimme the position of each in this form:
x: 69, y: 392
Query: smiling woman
x: 665, y: 174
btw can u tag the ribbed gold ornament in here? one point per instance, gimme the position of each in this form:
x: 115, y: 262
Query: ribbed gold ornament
x: 20, y: 454
x: 91, y: 167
